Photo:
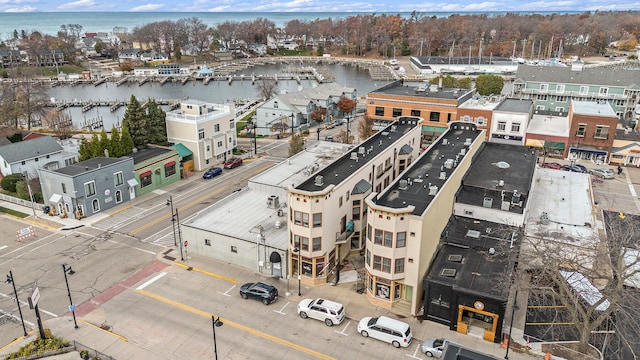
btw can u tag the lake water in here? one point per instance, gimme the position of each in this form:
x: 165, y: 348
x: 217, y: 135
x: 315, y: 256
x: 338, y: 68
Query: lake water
x: 215, y: 91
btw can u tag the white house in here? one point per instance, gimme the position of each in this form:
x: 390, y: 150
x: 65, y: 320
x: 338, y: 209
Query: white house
x: 26, y: 157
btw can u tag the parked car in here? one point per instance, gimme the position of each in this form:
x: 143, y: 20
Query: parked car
x: 211, y: 173
x: 603, y: 173
x: 552, y: 165
x: 259, y: 291
x: 395, y: 332
x: 575, y: 168
x: 433, y: 347
x: 331, y: 312
x: 233, y: 162
x: 328, y: 138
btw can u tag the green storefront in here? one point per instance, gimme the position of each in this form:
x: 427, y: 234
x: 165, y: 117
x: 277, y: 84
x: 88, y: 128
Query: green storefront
x: 155, y: 167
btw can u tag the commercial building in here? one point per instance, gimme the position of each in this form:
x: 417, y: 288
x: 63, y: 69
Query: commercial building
x: 155, y: 167
x: 207, y: 130
x: 510, y: 121
x: 593, y: 129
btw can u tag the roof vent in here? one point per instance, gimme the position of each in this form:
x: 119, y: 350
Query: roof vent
x: 487, y: 202
x: 443, y: 175
x: 473, y: 234
x: 403, y: 185
x: 319, y: 180
x: 500, y: 183
x: 492, y: 251
x: 448, y: 272
x: 448, y: 163
x: 467, y: 142
x: 544, y: 218
x: 445, y: 142
x: 503, y: 165
x: 433, y: 190
x: 454, y: 258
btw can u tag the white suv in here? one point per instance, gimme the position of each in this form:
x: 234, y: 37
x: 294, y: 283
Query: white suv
x: 321, y: 309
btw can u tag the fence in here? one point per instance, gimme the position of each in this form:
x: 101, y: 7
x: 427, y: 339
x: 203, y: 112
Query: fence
x: 89, y: 353
x: 16, y: 200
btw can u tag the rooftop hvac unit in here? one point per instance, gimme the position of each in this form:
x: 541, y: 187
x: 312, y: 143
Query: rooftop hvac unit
x: 500, y: 183
x: 487, y: 202
x: 445, y: 142
x: 354, y: 156
x: 278, y: 224
x: 505, y: 206
x: 433, y: 190
x: 443, y: 175
x: 516, y: 198
x: 544, y: 218
x: 463, y: 151
x: 361, y: 150
x: 273, y: 202
x: 319, y: 180
x: 448, y: 163
x: 402, y: 185
x: 467, y: 142
x: 393, y: 128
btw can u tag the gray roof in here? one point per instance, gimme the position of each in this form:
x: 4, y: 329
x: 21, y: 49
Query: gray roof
x: 320, y: 92
x: 405, y: 149
x: 420, y: 91
x: 361, y: 187
x: 28, y: 149
x: 592, y: 108
x: 515, y: 105
x: 148, y: 153
x: 588, y: 76
x: 89, y: 165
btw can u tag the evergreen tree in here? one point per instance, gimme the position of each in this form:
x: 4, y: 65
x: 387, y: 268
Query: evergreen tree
x: 135, y: 119
x: 296, y: 144
x: 105, y: 143
x: 116, y: 146
x: 489, y: 84
x: 95, y: 147
x: 85, y: 150
x: 157, y: 131
x: 126, y: 141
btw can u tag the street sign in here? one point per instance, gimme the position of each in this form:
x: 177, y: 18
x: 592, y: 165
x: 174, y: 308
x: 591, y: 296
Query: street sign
x: 72, y: 307
x: 186, y: 243
x: 33, y: 300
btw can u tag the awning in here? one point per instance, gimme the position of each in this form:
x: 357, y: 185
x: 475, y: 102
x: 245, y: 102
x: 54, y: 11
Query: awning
x: 596, y: 152
x: 554, y: 145
x: 434, y: 129
x: 275, y: 257
x: 132, y: 183
x: 170, y: 163
x: 535, y: 143
x: 55, y: 198
x: 145, y: 174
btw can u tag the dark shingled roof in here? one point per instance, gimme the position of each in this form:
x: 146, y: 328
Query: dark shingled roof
x: 88, y: 165
x: 28, y: 149
x: 588, y: 76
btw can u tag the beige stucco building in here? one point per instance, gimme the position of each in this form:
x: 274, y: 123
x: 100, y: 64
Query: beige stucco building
x: 207, y: 129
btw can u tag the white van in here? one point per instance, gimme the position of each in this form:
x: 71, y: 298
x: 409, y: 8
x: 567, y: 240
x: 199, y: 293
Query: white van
x: 386, y: 329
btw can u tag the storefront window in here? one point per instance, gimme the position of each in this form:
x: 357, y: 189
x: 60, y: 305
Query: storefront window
x: 383, y: 290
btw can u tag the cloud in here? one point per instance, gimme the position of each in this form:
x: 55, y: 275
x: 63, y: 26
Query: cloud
x: 80, y: 4
x: 20, y: 9
x: 147, y: 7
x: 220, y: 8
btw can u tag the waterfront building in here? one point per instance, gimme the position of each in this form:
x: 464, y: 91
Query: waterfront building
x: 461, y: 65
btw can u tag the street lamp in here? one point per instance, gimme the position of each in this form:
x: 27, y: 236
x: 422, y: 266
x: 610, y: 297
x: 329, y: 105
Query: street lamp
x: 216, y: 323
x: 15, y: 292
x: 170, y: 203
x: 514, y: 307
x: 296, y: 250
x: 72, y: 307
x: 179, y: 234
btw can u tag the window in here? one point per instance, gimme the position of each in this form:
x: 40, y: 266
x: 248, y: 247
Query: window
x: 340, y: 201
x: 582, y: 129
x: 297, y: 218
x: 378, y: 237
x: 604, y: 91
x: 369, y: 232
x: 561, y: 98
x: 234, y: 249
x: 118, y: 196
x: 275, y: 104
x: 386, y: 265
x: 216, y: 128
x: 397, y: 112
x: 401, y: 239
x: 96, y: 205
x: 602, y: 132
x: 317, y: 220
x: 145, y: 179
x: 542, y: 97
x: 544, y: 87
x: 377, y: 262
x: 90, y: 189
x: 317, y: 244
x: 388, y: 239
x: 434, y: 116
x: 584, y: 90
x: 466, y: 118
x: 399, y: 266
x: 305, y: 243
x: 23, y: 162
x: 219, y: 144
x: 355, y: 213
x: 515, y: 127
x: 118, y: 178
x: 619, y: 102
x: 560, y: 89
x: 559, y: 109
x: 207, y: 242
x: 305, y: 219
x: 64, y: 188
x: 200, y: 134
x: 208, y: 147
x: 379, y: 111
x: 169, y: 169
x: 502, y: 125
x: 481, y: 121
x: 368, y: 258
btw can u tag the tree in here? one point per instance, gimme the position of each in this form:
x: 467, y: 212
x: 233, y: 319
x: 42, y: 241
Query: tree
x: 157, y: 124
x: 95, y: 148
x: 296, y: 144
x: 60, y: 123
x: 105, y: 144
x: 346, y: 105
x: 266, y: 88
x: 318, y: 115
x: 116, y: 143
x: 464, y: 83
x: 135, y: 120
x: 365, y: 127
x: 84, y: 153
x: 342, y: 137
x: 127, y: 141
x: 489, y: 84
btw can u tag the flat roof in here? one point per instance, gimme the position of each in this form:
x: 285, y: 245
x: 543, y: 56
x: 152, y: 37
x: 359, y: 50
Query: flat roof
x: 88, y: 165
x: 422, y: 91
x: 342, y: 168
x: 424, y: 173
x: 593, y: 108
x: 148, y: 153
x: 565, y: 200
x: 549, y: 125
x: 515, y: 105
x: 479, y: 102
x: 462, y: 60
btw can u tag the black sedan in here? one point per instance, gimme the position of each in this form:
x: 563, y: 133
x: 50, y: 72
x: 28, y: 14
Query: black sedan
x: 259, y: 291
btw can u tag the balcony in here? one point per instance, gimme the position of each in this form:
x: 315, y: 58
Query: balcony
x: 343, y: 237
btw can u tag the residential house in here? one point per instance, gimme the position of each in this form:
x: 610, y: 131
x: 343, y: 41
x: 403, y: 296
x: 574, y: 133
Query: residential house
x: 510, y: 121
x: 26, y: 157
x: 406, y: 216
x: 152, y: 55
x: 10, y: 58
x: 88, y: 187
x: 327, y: 212
x: 437, y: 105
x: 592, y: 131
x: 554, y: 87
x: 129, y: 54
x: 208, y: 130
x: 47, y: 58
x: 155, y: 167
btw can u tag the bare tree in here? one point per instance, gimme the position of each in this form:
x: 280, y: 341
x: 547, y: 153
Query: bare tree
x: 365, y: 127
x: 60, y: 123
x: 267, y: 88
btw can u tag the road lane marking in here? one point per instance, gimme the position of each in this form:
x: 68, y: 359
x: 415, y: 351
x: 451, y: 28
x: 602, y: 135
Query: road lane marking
x: 280, y: 311
x: 106, y: 331
x: 152, y: 280
x: 4, y: 247
x: 198, y: 200
x: 226, y: 293
x: 237, y: 325
x: 415, y: 353
x: 221, y: 277
x: 345, y: 328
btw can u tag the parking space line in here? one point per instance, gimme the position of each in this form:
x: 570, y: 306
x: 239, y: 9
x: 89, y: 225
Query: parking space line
x: 236, y: 325
x: 221, y: 277
x: 226, y: 292
x: 345, y: 328
x: 415, y: 353
x: 280, y: 311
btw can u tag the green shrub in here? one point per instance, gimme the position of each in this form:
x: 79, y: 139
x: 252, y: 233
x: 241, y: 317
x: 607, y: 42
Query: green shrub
x: 9, y: 182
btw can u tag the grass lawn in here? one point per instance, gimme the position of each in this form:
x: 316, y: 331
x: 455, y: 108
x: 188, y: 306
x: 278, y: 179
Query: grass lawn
x: 13, y: 212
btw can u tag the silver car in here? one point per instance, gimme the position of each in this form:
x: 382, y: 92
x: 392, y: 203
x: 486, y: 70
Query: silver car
x: 433, y: 347
x: 603, y: 173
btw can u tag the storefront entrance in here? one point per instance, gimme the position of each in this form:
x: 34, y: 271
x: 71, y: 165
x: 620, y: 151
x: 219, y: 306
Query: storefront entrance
x: 476, y: 320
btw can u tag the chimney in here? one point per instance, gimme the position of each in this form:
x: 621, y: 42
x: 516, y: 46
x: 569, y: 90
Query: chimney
x: 440, y: 82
